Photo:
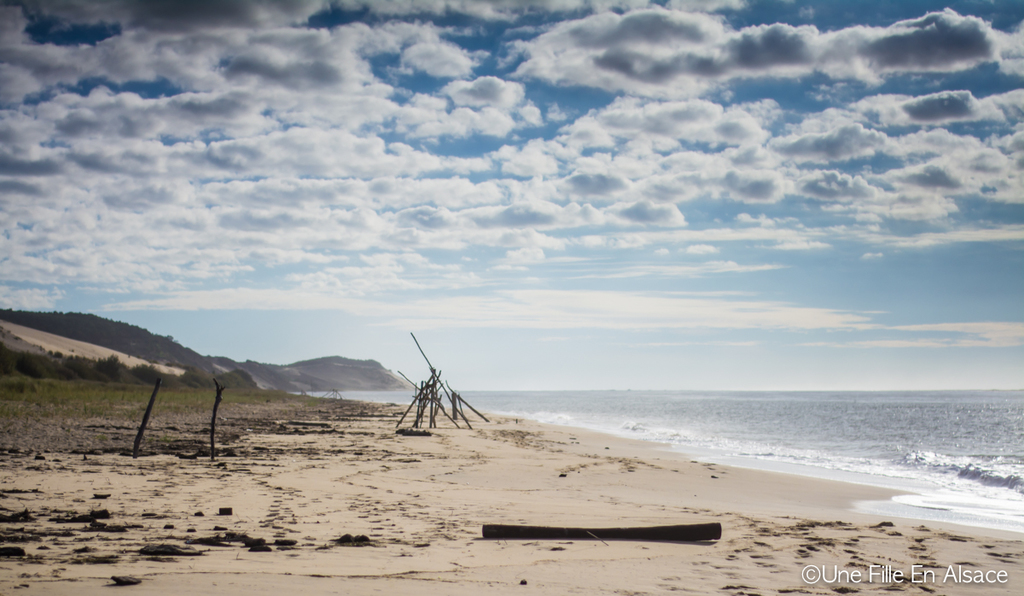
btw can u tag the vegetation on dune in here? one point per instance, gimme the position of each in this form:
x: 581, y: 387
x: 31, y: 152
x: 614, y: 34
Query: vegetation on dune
x: 38, y: 386
x: 22, y: 397
x: 110, y: 334
x: 111, y: 370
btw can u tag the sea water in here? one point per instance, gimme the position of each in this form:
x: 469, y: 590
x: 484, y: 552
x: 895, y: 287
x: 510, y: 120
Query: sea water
x: 959, y: 455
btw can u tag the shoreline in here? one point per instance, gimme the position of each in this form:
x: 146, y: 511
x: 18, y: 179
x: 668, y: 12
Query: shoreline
x: 838, y: 496
x: 313, y: 474
x: 919, y: 500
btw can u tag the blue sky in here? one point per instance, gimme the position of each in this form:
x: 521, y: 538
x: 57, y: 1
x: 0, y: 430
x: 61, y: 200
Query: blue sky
x: 552, y: 194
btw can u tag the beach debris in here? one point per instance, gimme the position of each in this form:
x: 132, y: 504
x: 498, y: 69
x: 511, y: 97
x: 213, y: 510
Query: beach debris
x: 101, y: 496
x: 358, y: 540
x: 24, y: 516
x: 125, y: 580
x: 73, y: 518
x: 428, y: 400
x: 208, y: 541
x: 145, y: 421
x: 169, y: 550
x: 412, y: 432
x: 12, y: 551
x: 224, y: 511
x: 677, y: 533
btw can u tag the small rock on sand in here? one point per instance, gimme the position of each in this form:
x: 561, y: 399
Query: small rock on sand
x: 125, y: 580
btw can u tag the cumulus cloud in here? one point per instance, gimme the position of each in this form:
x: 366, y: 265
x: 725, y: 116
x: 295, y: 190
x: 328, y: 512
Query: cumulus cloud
x: 485, y: 91
x: 683, y: 53
x: 830, y: 185
x: 647, y: 213
x: 852, y: 140
x: 752, y: 185
x: 668, y: 124
x: 941, y: 106
x: 937, y: 40
x: 595, y: 184
x: 496, y: 9
x: 438, y: 59
x: 188, y: 15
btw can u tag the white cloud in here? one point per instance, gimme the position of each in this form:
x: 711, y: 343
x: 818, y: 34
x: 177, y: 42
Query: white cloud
x: 485, y: 91
x: 438, y: 59
x: 662, y: 52
x: 29, y: 298
x: 647, y: 213
x: 989, y: 334
x: 939, y: 108
x: 852, y: 140
x: 536, y: 158
x: 265, y: 164
x: 548, y: 309
x: 702, y: 249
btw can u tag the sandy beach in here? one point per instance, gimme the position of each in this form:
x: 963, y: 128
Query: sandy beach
x: 298, y: 480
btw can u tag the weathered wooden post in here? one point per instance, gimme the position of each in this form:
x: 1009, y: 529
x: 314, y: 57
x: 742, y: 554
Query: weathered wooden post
x: 213, y: 421
x: 145, y: 420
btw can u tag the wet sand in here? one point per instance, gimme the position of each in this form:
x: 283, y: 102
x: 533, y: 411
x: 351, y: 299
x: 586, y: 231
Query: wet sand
x: 298, y: 480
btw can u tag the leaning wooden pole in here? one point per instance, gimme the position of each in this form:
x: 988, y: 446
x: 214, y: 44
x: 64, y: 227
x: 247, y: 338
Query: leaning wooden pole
x: 407, y: 410
x: 213, y: 421
x: 422, y: 353
x: 145, y: 421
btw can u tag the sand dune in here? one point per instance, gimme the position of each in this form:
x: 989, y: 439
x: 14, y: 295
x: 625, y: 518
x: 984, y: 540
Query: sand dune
x: 70, y: 347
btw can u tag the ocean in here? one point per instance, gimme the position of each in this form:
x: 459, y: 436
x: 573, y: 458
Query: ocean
x: 959, y: 454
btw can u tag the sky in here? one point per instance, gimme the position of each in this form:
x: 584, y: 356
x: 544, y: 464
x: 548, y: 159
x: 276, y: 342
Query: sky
x: 551, y: 194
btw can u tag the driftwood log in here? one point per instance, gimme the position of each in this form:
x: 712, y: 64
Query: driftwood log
x: 213, y: 421
x: 682, y: 533
x: 145, y: 421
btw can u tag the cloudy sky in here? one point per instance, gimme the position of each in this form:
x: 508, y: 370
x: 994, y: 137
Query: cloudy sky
x: 552, y: 194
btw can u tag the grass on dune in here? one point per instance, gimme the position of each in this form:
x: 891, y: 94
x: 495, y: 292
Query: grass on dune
x: 22, y: 397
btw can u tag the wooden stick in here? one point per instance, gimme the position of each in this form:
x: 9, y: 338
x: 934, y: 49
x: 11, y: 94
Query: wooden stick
x: 213, y: 420
x: 470, y: 406
x: 414, y: 400
x: 682, y: 533
x: 421, y: 352
x: 145, y: 421
x: 407, y: 379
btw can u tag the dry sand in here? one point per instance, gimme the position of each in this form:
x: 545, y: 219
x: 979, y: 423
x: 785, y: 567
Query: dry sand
x: 24, y: 339
x: 302, y: 479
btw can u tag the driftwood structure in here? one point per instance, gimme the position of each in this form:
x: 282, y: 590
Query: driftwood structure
x: 145, y: 421
x: 213, y: 421
x: 429, y: 400
x: 682, y: 533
